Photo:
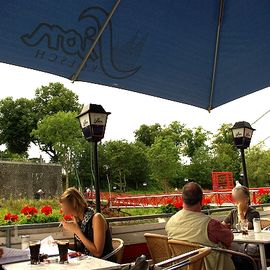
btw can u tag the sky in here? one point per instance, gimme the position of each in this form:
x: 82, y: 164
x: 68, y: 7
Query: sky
x: 129, y: 110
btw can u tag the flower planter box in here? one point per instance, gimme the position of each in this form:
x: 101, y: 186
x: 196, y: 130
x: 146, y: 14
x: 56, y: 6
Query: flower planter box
x: 131, y: 234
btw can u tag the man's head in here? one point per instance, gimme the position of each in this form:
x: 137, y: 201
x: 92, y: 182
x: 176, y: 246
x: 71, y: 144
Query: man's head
x: 192, y: 195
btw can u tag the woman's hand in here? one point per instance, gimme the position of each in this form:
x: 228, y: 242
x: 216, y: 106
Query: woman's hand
x: 242, y: 208
x: 72, y: 226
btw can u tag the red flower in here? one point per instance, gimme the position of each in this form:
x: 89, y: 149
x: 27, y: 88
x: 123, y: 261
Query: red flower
x: 67, y: 217
x: 46, y: 210
x: 11, y: 217
x: 178, y: 205
x: 7, y: 217
x: 206, y: 201
x: 263, y: 191
x: 169, y: 201
x: 14, y: 218
x: 29, y: 210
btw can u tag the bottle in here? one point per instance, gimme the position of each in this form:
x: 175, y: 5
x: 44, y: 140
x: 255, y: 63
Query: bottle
x: 25, y: 241
x: 257, y: 225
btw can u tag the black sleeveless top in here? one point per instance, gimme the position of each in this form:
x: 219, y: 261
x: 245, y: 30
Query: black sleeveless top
x: 87, y: 229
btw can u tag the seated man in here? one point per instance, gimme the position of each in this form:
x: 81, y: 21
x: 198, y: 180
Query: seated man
x: 191, y: 225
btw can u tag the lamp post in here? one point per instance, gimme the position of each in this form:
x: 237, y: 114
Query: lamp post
x: 93, y: 120
x: 242, y: 133
x: 106, y: 168
x: 145, y: 186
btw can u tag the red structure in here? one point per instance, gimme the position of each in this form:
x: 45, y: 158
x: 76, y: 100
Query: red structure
x: 222, y: 181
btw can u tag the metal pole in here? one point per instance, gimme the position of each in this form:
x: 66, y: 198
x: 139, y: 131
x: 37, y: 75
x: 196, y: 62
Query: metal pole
x: 101, y: 30
x: 96, y: 178
x: 245, y: 182
x: 213, y: 79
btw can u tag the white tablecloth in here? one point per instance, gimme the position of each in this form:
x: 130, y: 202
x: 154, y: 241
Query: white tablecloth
x: 85, y: 264
x: 261, y: 239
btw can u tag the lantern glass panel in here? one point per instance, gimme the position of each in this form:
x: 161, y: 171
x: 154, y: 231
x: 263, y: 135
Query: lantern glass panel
x: 238, y: 132
x: 248, y: 133
x: 84, y: 120
x: 98, y: 119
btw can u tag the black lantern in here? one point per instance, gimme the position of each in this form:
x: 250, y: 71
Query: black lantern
x: 242, y: 133
x: 93, y: 120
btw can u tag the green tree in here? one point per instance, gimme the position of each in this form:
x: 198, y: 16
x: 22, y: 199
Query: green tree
x: 50, y: 100
x: 200, y: 169
x: 147, y: 134
x: 258, y: 165
x: 63, y: 133
x: 193, y: 140
x: 225, y: 155
x: 6, y: 155
x: 163, y: 161
x: 17, y: 120
x: 55, y: 98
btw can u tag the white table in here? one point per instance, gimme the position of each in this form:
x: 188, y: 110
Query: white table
x: 260, y: 239
x: 86, y: 263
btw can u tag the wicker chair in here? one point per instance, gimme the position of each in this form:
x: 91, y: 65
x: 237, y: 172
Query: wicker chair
x: 158, y: 247
x: 191, y: 260
x: 118, y: 250
x: 180, y: 247
x: 243, y: 256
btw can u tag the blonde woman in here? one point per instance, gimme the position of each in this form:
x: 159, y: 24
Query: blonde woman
x: 243, y: 211
x: 91, y: 230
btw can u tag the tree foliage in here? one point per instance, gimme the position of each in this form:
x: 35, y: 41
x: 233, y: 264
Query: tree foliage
x: 165, y: 156
x: 63, y: 133
x: 258, y: 165
x: 127, y: 163
x: 55, y: 98
x: 163, y: 159
x: 17, y: 120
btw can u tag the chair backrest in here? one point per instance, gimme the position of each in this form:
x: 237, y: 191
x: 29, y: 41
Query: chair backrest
x: 196, y: 261
x: 118, y: 250
x: 158, y: 247
x: 244, y: 257
x: 179, y: 247
x: 192, y: 260
x: 265, y: 222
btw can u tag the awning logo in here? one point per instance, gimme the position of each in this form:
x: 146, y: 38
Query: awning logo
x: 68, y: 47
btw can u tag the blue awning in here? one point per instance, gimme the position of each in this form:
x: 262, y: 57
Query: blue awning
x: 203, y: 53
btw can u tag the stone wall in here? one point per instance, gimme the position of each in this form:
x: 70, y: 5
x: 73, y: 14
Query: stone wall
x: 20, y: 179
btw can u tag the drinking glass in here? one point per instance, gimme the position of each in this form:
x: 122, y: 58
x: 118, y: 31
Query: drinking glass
x: 63, y: 250
x: 34, y: 251
x: 244, y: 226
